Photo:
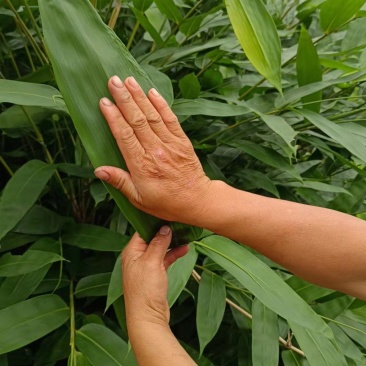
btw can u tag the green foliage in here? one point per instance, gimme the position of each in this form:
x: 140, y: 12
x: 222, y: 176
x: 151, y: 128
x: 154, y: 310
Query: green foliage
x: 60, y: 233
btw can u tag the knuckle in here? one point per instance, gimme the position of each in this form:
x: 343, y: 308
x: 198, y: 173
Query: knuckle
x: 139, y: 121
x: 154, y: 118
x: 127, y: 134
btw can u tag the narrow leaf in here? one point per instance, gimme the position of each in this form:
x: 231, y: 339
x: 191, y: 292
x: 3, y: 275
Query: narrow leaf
x: 21, y: 192
x: 258, y: 36
x: 103, y: 347
x: 210, y: 307
x: 308, y: 70
x: 93, y: 286
x: 169, y: 9
x: 179, y: 273
x: 265, y: 350
x: 265, y: 284
x: 115, y: 290
x: 30, y: 320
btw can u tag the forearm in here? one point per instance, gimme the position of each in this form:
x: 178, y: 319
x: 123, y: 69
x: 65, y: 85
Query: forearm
x: 322, y: 246
x: 155, y: 345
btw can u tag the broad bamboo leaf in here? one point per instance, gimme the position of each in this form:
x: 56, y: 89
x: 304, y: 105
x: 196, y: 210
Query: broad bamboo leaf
x: 12, y: 241
x: 179, y: 273
x: 30, y: 261
x: 21, y: 192
x: 335, y: 13
x: 348, y: 348
x: 169, y: 9
x: 210, y: 307
x: 309, y: 70
x: 352, y: 327
x: 282, y: 128
x: 103, y: 347
x: 29, y: 320
x: 258, y: 36
x: 91, y: 52
x: 319, y: 349
x: 265, y: 350
x: 331, y: 309
x: 94, y: 237
x: 142, y: 5
x: 19, y: 117
x: 19, y: 288
x: 115, y: 290
x: 93, y: 286
x: 340, y: 134
x: 190, y: 86
x: 188, y: 107
x: 29, y: 94
x: 78, y: 359
x: 265, y: 284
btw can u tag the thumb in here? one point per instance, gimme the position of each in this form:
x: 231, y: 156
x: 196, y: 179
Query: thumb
x: 159, y: 245
x: 119, y: 179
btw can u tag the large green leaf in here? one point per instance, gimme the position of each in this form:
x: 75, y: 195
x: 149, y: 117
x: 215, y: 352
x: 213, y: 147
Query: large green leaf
x: 259, y: 279
x: 94, y: 237
x: 169, y: 9
x: 92, y: 52
x: 21, y: 192
x: 93, y: 286
x: 309, y: 70
x: 103, y: 347
x: 29, y: 94
x: 211, y: 305
x: 340, y: 134
x: 258, y: 35
x: 29, y: 320
x: 335, y: 13
x: 31, y: 260
x: 179, y: 273
x: 319, y: 350
x: 265, y: 350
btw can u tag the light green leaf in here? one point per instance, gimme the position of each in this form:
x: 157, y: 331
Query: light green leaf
x: 258, y: 36
x: 282, y: 128
x: 265, y: 349
x: 265, y: 284
x: 318, y: 186
x: 18, y: 116
x: 94, y: 237
x: 29, y: 320
x: 211, y: 305
x: 188, y: 107
x: 93, y: 286
x: 308, y: 70
x: 115, y: 290
x: 319, y: 349
x: 30, y: 261
x: 179, y: 273
x: 169, y: 9
x: 291, y: 358
x: 21, y: 192
x: 335, y: 13
x: 103, y: 347
x: 340, y: 134
x: 189, y: 86
x: 29, y: 94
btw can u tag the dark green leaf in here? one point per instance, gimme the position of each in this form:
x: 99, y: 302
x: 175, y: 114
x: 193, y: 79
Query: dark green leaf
x: 93, y: 286
x: 190, y: 86
x: 115, y: 290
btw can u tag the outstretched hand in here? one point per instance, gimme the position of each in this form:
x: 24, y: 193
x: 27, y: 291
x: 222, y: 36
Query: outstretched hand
x: 145, y: 281
x: 165, y: 177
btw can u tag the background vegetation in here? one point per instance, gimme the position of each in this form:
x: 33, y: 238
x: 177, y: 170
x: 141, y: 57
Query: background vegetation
x: 299, y: 135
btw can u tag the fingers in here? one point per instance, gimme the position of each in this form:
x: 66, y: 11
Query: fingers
x: 122, y: 131
x: 131, y: 112
x: 154, y: 119
x: 120, y: 180
x: 159, y: 245
x: 169, y: 118
x: 175, y: 254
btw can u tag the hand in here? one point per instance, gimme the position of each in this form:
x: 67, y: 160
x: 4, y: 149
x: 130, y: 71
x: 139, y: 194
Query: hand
x: 165, y: 176
x: 145, y: 281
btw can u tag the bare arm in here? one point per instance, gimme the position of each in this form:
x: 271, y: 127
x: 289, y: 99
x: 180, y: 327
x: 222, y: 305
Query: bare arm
x: 167, y: 180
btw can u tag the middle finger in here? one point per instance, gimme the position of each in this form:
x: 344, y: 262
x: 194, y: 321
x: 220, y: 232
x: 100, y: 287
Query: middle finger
x: 132, y: 113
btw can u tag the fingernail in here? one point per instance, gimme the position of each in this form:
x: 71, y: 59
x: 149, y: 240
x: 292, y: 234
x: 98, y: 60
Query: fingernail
x: 155, y: 92
x: 102, y: 174
x: 165, y: 230
x: 132, y: 81
x: 106, y: 102
x: 117, y: 82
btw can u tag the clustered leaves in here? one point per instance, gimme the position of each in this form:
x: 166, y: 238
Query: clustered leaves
x: 272, y: 96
